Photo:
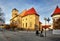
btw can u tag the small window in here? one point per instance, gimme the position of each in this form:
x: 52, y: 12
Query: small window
x: 26, y: 18
x: 26, y: 24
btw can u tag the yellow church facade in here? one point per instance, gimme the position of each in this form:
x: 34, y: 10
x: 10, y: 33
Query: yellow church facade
x: 30, y: 21
x: 27, y: 19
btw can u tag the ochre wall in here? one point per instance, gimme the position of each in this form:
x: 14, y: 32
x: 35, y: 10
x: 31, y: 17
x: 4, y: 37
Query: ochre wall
x: 31, y: 21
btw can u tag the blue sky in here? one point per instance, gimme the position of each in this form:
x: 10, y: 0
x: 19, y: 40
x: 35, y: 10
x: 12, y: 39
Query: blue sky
x: 43, y: 7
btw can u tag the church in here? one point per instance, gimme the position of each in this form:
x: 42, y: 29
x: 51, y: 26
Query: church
x: 27, y: 19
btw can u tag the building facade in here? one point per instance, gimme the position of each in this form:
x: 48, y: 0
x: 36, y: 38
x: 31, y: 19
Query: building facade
x: 56, y: 18
x: 27, y: 19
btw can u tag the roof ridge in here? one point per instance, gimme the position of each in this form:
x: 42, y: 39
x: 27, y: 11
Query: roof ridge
x: 29, y: 12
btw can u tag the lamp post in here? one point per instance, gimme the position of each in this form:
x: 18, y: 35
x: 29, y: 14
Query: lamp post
x: 48, y: 20
x: 45, y: 25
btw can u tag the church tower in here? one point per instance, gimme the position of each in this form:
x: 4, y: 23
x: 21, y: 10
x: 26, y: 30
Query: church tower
x: 56, y: 20
x: 14, y: 12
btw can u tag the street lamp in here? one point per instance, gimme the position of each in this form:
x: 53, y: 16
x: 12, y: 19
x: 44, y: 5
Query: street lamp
x: 48, y: 20
x: 45, y: 25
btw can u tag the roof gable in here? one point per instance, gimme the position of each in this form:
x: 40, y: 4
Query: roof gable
x: 30, y: 12
x: 57, y: 11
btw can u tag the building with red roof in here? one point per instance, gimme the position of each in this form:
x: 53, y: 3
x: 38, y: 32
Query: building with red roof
x: 31, y: 11
x: 27, y: 19
x: 56, y: 18
x: 56, y: 11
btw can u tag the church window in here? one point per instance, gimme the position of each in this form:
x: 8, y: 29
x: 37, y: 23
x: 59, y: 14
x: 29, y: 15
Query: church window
x: 26, y: 18
x: 23, y: 24
x: 26, y: 24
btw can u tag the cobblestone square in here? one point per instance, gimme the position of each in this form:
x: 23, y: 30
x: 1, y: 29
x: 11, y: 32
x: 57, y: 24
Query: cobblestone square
x: 27, y: 36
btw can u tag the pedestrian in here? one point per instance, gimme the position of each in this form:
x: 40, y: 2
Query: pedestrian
x: 37, y: 32
x: 41, y: 34
x: 42, y: 31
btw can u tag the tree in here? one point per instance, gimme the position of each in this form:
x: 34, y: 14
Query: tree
x: 2, y: 19
x: 45, y: 20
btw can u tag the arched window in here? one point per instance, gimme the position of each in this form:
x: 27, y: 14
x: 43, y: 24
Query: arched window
x: 26, y: 24
x: 26, y: 18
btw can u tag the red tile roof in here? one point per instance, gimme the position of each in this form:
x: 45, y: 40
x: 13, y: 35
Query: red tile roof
x: 57, y: 11
x: 30, y: 12
x: 46, y: 26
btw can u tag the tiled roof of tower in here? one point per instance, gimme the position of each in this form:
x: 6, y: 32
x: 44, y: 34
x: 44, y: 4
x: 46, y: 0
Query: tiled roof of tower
x: 57, y: 11
x: 30, y: 12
